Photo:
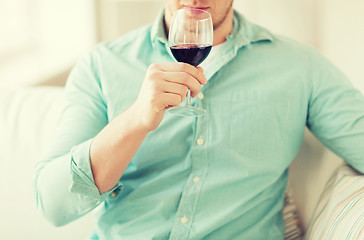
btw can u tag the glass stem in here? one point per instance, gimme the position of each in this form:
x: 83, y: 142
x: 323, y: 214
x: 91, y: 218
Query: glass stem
x: 188, y: 99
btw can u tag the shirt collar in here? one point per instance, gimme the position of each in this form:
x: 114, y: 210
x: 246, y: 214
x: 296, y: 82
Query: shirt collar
x: 244, y: 32
x: 158, y: 32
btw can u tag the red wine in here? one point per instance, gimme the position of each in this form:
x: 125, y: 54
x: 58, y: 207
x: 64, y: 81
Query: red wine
x: 190, y: 53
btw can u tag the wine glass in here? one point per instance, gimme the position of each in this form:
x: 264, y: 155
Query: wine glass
x: 190, y: 40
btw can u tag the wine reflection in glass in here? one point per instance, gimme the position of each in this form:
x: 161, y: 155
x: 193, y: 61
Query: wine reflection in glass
x: 190, y: 40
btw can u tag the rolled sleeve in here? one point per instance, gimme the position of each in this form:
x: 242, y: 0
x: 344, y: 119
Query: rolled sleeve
x: 65, y: 187
x: 82, y: 178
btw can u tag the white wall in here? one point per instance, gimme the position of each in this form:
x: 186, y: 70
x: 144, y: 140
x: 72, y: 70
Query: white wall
x: 42, y: 38
x: 120, y: 16
x: 341, y: 36
x: 293, y: 18
x: 15, y: 23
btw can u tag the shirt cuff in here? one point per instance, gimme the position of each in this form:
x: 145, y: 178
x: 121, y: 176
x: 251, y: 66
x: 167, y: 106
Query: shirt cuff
x: 82, y: 178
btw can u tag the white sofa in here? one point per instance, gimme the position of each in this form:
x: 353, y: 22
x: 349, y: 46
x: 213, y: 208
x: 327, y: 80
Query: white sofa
x: 28, y: 117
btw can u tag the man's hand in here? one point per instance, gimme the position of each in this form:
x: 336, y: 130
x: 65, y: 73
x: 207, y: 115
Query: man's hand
x: 165, y: 85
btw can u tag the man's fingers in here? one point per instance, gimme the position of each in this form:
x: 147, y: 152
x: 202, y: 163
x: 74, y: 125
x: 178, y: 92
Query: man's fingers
x: 197, y: 73
x: 184, y: 79
x: 176, y: 88
x: 169, y: 100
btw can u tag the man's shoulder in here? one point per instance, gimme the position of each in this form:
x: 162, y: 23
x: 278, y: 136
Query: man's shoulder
x: 289, y: 42
x: 289, y: 48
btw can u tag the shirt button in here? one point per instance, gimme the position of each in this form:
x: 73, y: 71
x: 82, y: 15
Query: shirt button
x: 195, y: 179
x: 115, y: 193
x: 200, y: 95
x: 200, y: 141
x: 184, y: 220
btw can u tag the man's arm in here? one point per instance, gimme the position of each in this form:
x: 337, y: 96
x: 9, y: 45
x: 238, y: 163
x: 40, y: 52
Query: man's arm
x: 336, y: 111
x: 67, y: 183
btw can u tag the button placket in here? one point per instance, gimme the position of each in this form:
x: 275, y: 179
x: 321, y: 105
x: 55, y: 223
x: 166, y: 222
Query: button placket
x: 198, y: 100
x: 190, y: 195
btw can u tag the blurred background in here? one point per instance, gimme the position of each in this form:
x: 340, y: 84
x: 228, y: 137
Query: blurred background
x: 40, y: 41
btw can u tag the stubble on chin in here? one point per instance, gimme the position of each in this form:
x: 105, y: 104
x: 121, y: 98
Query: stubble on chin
x: 224, y: 16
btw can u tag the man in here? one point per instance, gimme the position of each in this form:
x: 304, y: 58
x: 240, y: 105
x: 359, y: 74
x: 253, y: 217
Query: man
x: 222, y: 176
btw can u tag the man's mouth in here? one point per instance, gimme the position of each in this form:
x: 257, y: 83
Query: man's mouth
x: 195, y: 10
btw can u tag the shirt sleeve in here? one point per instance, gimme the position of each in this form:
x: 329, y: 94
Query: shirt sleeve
x: 64, y: 186
x: 336, y: 111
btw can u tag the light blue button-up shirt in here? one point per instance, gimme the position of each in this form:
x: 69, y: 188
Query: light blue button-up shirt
x: 222, y: 176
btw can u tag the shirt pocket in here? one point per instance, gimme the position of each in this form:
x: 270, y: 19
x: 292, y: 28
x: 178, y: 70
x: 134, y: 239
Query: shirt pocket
x: 258, y: 125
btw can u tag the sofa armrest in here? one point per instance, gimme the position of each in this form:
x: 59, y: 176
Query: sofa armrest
x: 339, y: 213
x: 28, y: 118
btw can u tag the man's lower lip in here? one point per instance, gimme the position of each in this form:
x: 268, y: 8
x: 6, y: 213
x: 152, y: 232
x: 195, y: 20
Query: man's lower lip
x: 196, y: 10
